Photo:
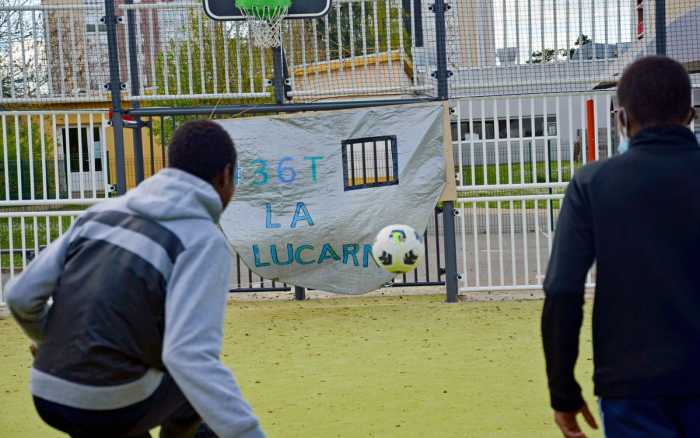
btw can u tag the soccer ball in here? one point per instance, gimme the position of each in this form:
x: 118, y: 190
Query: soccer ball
x: 398, y: 249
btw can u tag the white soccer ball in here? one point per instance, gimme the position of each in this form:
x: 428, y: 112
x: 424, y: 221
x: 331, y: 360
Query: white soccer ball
x: 398, y: 249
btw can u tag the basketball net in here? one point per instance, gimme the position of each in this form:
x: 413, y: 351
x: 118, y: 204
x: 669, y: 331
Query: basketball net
x: 265, y: 21
x: 268, y: 32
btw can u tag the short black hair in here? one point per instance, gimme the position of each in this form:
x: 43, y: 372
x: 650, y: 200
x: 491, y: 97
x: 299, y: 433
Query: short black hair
x: 655, y: 91
x: 202, y: 148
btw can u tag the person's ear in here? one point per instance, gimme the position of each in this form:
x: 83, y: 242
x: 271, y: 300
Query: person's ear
x: 223, y: 178
x: 622, y: 117
x: 228, y: 175
x: 622, y: 121
x: 691, y: 115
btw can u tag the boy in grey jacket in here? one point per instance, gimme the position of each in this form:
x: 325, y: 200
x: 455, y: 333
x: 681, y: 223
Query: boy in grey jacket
x: 127, y: 307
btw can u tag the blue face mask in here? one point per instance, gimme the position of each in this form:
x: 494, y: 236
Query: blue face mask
x: 624, y: 145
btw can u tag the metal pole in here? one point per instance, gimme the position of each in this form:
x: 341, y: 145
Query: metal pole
x: 660, y: 25
x: 448, y: 212
x: 439, y: 8
x: 271, y: 108
x: 278, y: 82
x: 135, y: 87
x: 278, y: 75
x: 115, y: 87
x: 448, y: 224
x: 299, y: 293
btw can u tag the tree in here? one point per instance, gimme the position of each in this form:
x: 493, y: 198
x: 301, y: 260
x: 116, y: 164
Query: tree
x: 554, y: 55
x: 21, y: 73
x: 581, y: 41
x: 549, y: 55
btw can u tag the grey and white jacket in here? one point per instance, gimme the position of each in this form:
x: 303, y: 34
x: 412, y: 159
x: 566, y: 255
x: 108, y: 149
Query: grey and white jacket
x: 135, y: 287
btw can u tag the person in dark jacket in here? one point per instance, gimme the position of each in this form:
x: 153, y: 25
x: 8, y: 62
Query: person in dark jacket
x: 637, y: 215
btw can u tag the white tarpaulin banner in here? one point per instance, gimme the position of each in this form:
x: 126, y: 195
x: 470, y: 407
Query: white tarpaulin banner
x: 313, y: 190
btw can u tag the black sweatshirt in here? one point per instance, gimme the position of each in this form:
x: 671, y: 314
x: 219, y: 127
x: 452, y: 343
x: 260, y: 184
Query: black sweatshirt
x: 637, y: 215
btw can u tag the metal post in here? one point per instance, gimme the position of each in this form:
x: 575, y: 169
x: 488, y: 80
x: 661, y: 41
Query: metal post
x: 135, y: 87
x: 448, y: 228
x: 439, y: 8
x: 299, y: 293
x: 278, y: 82
x: 115, y: 87
x: 278, y: 75
x: 448, y: 213
x: 660, y: 27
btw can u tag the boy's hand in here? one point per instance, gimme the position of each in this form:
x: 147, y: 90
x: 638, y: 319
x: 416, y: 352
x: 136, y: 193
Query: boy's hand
x: 568, y: 424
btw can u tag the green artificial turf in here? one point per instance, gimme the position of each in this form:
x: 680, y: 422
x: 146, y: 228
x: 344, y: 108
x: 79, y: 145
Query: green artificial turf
x: 366, y: 367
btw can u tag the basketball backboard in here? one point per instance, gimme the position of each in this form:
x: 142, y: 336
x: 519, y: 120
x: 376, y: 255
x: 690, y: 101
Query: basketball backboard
x: 227, y: 10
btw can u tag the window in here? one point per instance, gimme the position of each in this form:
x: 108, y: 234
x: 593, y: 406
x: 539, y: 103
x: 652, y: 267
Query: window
x: 514, y: 128
x: 502, y: 128
x: 71, y: 149
x: 370, y: 162
x: 95, y: 28
x: 514, y: 123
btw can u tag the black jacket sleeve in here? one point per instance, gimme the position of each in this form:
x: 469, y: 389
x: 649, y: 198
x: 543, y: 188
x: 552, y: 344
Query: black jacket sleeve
x: 572, y: 255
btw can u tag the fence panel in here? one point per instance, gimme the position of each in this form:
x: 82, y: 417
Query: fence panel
x: 531, y: 141
x: 506, y: 241
x: 54, y: 157
x: 53, y: 52
x: 182, y: 54
x: 514, y: 156
x: 541, y: 46
x: 362, y: 47
x: 23, y: 235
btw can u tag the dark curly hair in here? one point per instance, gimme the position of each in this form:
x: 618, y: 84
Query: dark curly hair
x: 655, y: 91
x: 202, y: 148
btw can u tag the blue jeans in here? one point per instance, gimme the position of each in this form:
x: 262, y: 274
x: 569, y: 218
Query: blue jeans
x: 652, y: 418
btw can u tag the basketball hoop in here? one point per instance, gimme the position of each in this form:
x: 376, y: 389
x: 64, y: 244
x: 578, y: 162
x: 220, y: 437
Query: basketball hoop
x: 264, y: 18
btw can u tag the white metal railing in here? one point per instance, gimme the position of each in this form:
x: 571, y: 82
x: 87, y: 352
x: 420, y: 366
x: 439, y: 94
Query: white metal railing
x: 23, y: 235
x: 506, y: 241
x: 534, y: 141
x: 514, y: 156
x: 511, y: 178
x: 54, y: 157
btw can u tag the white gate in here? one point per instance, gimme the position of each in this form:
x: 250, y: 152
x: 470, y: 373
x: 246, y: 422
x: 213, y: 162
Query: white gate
x: 53, y: 164
x: 514, y: 158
